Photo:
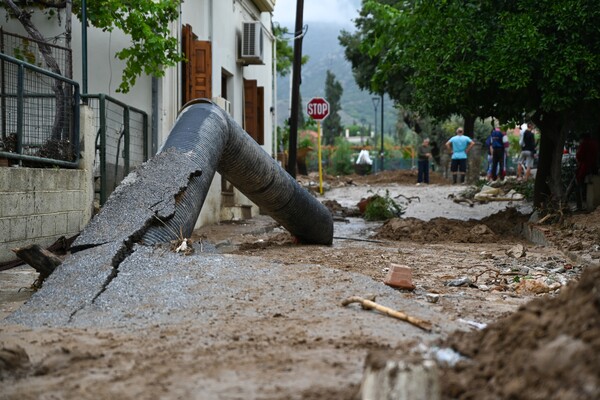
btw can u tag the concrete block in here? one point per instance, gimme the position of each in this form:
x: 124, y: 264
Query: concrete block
x: 62, y: 179
x: 37, y: 179
x: 4, y: 180
x: 61, y: 223
x: 6, y: 253
x: 74, y: 221
x: 26, y: 203
x: 9, y: 204
x: 4, y: 229
x: 48, y: 225
x: 399, y: 276
x: 18, y: 228
x: 34, y: 226
x: 19, y: 179
x: 49, y: 179
x: 403, y: 377
x: 74, y: 179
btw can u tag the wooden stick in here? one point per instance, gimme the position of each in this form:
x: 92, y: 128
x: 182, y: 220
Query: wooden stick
x: 40, y: 259
x: 371, y: 305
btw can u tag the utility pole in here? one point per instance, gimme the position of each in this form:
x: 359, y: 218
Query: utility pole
x: 382, y: 151
x: 296, y: 81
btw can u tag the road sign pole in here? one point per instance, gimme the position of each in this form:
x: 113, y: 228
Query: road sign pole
x: 319, y: 156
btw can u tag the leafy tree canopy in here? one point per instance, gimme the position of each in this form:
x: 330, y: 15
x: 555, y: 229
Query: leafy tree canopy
x: 501, y: 58
x: 147, y: 22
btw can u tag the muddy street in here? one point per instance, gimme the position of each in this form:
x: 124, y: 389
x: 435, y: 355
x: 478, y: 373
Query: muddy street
x: 252, y: 314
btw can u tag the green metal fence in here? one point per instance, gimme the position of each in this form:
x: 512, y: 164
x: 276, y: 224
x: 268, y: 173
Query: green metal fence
x: 39, y: 115
x: 122, y: 140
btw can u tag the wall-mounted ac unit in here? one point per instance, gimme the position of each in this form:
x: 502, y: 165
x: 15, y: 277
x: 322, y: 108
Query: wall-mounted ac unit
x: 252, y: 43
x: 224, y: 104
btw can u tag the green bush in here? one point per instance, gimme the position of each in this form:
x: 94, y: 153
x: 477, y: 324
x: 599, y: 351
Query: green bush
x: 382, y: 207
x: 342, y: 158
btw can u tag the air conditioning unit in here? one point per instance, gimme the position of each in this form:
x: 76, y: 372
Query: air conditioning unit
x: 224, y: 104
x: 252, y: 43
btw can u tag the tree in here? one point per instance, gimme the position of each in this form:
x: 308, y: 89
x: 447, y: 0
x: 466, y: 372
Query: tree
x: 147, y: 23
x: 494, y: 58
x: 332, y: 126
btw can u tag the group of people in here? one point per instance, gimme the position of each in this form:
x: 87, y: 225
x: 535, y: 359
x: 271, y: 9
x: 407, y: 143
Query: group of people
x: 496, y: 144
x: 459, y: 145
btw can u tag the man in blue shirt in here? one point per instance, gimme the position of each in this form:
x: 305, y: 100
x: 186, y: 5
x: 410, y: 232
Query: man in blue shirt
x: 459, y: 145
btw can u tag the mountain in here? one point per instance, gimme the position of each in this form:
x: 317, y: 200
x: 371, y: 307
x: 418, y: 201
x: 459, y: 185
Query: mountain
x: 325, y: 52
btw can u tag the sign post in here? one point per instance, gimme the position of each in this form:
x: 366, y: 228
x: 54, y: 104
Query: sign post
x: 318, y: 109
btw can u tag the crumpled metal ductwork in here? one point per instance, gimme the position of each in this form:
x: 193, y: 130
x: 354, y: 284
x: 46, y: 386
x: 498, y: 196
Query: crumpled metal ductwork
x: 214, y: 142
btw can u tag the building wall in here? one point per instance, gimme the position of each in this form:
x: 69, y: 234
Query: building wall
x: 219, y: 21
x: 39, y: 205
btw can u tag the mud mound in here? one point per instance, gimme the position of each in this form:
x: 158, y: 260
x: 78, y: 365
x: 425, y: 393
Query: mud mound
x: 337, y: 210
x: 495, y: 228
x: 546, y: 350
x: 400, y: 176
x: 579, y: 234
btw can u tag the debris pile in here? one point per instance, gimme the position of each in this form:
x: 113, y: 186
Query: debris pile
x: 548, y: 349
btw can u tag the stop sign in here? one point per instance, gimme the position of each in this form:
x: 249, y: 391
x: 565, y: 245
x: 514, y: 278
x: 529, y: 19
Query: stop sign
x: 317, y: 108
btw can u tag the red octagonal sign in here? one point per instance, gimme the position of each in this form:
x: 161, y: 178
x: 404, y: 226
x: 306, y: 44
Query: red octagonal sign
x: 317, y: 108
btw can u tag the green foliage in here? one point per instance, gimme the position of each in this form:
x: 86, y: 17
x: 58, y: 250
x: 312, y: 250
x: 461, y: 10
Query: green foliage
x: 284, y: 52
x: 147, y: 22
x: 332, y: 126
x: 342, y: 157
x: 305, y: 142
x: 382, y: 207
x: 489, y: 58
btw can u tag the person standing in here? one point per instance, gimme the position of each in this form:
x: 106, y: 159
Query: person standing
x: 459, y: 145
x: 423, y: 156
x: 497, y: 150
x: 527, y: 153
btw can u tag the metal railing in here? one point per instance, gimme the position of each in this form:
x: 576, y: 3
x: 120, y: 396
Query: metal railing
x: 39, y: 115
x: 121, y: 141
x: 27, y: 49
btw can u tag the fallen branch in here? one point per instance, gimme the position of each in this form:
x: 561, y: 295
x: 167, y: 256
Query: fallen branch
x: 409, y: 199
x: 60, y: 247
x: 371, y: 305
x: 42, y: 260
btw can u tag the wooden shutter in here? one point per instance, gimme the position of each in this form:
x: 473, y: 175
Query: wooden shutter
x: 260, y: 115
x: 250, y: 108
x: 197, y: 71
x: 201, y: 70
x: 187, y: 38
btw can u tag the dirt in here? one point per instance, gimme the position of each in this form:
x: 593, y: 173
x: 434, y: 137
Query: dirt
x: 541, y: 314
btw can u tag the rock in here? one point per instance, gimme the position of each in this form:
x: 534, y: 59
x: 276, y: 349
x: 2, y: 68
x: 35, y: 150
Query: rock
x: 533, y: 286
x: 517, y: 251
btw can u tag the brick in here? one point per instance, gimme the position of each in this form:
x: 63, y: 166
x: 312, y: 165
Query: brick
x: 399, y: 276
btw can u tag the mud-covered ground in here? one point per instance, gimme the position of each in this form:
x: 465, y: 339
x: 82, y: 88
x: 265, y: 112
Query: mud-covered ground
x: 471, y: 266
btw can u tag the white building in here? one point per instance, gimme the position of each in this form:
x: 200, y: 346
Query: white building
x: 211, y: 34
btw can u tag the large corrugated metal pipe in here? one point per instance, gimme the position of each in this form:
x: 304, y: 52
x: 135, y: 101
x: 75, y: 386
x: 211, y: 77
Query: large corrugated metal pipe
x: 214, y: 142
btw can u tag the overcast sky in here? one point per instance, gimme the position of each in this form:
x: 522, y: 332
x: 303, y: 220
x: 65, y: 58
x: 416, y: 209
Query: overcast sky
x: 339, y: 12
